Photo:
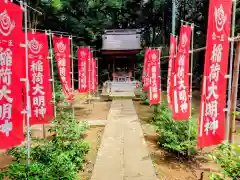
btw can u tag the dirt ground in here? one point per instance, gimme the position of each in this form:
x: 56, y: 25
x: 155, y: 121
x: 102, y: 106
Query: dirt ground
x: 97, y: 110
x: 167, y: 165
x: 94, y: 136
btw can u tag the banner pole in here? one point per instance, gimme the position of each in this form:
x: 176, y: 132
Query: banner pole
x: 73, y: 110
x: 53, y: 81
x: 190, y: 97
x: 28, y: 112
x: 234, y: 91
x: 228, y: 137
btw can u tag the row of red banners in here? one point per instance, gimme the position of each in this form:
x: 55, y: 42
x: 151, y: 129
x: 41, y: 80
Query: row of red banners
x: 87, y: 71
x: 213, y: 102
x: 211, y: 123
x: 151, y: 75
x: 13, y: 69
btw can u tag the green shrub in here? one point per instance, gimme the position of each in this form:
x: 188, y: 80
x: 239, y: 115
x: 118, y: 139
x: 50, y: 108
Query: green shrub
x: 144, y: 98
x: 174, y: 135
x: 59, y: 157
x: 65, y: 126
x: 146, y: 102
x: 236, y: 113
x: 21, y: 171
x: 228, y: 157
x: 59, y: 96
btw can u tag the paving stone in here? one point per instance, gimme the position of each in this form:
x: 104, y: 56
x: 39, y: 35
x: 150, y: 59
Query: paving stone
x: 123, y: 154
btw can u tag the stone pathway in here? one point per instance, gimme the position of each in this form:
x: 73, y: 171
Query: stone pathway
x: 129, y: 94
x: 123, y: 154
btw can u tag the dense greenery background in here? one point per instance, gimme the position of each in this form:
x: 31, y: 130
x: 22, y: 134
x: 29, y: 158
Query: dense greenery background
x: 88, y: 19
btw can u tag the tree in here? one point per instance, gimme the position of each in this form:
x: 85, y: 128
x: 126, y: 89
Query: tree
x: 89, y: 18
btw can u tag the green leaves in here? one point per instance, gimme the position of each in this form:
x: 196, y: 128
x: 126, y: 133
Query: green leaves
x: 56, y: 4
x: 20, y: 171
x: 228, y: 157
x: 236, y: 113
x: 58, y: 157
x: 144, y: 98
x: 174, y: 135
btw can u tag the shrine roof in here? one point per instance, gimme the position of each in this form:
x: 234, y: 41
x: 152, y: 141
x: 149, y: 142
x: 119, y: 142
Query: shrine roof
x: 121, y: 39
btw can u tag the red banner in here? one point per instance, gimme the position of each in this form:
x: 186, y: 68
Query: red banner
x: 93, y: 75
x: 39, y: 79
x: 154, y: 76
x: 11, y: 124
x: 146, y: 69
x: 62, y: 55
x: 96, y: 74
x: 181, y: 101
x: 90, y: 71
x: 172, y: 53
x: 83, y: 70
x: 213, y: 102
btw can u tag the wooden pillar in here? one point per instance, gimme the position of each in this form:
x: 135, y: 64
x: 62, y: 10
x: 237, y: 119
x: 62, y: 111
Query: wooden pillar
x: 234, y: 92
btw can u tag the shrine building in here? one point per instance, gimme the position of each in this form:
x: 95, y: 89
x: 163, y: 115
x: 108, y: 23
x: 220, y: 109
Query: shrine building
x: 119, y: 50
